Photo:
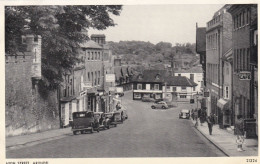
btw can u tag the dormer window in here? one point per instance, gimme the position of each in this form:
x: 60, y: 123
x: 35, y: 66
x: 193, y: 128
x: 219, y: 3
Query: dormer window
x: 139, y: 77
x: 157, y: 76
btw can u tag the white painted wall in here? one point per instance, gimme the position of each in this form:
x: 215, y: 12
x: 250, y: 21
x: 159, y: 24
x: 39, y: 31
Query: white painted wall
x: 198, y: 79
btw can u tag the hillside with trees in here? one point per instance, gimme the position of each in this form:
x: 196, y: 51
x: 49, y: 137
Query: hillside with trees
x: 146, y: 53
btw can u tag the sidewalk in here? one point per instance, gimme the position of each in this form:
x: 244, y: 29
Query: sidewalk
x: 16, y: 142
x: 226, y: 141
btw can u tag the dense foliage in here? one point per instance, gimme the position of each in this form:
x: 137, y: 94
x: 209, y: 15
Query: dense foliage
x: 62, y: 28
x: 140, y: 52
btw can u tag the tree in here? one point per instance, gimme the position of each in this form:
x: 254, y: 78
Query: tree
x: 63, y: 29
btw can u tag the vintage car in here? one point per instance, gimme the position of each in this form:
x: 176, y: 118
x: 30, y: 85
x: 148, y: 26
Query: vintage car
x: 82, y: 122
x: 160, y: 105
x: 184, y: 113
x: 101, y: 120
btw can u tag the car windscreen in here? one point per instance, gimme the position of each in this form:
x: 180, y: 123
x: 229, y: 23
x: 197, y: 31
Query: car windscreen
x: 79, y: 115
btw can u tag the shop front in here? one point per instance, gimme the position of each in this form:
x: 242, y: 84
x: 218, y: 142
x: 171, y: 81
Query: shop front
x: 224, y: 113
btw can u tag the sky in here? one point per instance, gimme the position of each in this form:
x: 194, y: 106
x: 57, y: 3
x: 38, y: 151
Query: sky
x: 155, y: 23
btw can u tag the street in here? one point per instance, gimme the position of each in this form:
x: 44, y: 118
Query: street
x: 146, y: 133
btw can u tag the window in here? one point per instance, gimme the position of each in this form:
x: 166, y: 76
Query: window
x: 168, y: 88
x: 92, y: 56
x: 88, y: 55
x: 174, y: 89
x: 183, y: 88
x: 156, y: 86
x: 88, y: 76
x: 139, y: 86
x: 183, y: 96
x: 194, y: 88
x: 248, y: 16
x: 226, y: 94
x: 179, y: 74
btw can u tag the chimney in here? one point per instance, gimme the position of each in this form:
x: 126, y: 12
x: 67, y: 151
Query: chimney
x: 99, y: 38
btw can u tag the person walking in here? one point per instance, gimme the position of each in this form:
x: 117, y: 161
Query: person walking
x: 200, y: 116
x: 210, y: 120
x: 196, y: 117
x: 240, y: 133
x: 192, y: 114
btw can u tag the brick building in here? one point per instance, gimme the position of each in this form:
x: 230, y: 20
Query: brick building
x: 245, y: 61
x: 218, y: 42
x: 28, y: 107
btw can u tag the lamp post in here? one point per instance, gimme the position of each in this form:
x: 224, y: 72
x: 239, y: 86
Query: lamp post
x: 197, y: 97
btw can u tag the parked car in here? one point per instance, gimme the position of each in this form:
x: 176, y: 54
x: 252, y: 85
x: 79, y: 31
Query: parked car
x: 184, y: 113
x: 101, y: 120
x: 116, y: 118
x: 83, y: 122
x: 159, y: 105
x: 148, y: 99
x: 108, y: 118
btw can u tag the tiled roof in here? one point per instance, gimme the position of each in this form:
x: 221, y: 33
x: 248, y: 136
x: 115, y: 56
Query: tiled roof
x: 122, y: 69
x: 180, y: 81
x: 90, y: 44
x: 150, y: 76
x: 201, y: 39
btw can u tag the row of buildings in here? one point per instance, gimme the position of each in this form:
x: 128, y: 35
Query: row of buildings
x: 89, y: 86
x: 228, y: 54
x: 181, y: 85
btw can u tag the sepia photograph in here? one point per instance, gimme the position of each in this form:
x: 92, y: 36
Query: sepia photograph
x: 130, y: 81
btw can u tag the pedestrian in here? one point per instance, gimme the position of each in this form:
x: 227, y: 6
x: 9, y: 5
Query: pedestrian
x: 196, y: 117
x: 240, y: 133
x: 210, y: 120
x: 192, y: 114
x: 200, y: 116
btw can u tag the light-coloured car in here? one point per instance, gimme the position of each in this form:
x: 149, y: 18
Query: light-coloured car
x: 160, y: 105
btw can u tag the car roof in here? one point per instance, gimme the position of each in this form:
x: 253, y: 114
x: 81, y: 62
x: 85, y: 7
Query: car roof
x: 185, y: 110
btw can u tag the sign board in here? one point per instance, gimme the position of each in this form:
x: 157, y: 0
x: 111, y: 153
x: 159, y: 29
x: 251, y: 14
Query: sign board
x: 110, y: 77
x: 88, y: 84
x: 206, y: 94
x: 119, y: 89
x: 244, y: 75
x: 112, y: 88
x: 83, y: 93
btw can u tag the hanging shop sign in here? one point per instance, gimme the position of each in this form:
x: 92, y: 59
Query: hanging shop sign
x: 244, y: 75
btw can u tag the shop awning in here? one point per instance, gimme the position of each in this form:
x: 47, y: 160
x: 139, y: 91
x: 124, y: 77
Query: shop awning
x: 222, y: 103
x: 67, y: 99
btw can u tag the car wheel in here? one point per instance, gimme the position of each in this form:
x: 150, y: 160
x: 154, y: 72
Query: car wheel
x: 163, y: 107
x: 153, y: 107
x: 75, y: 132
x: 82, y: 131
x: 98, y: 130
x: 115, y: 125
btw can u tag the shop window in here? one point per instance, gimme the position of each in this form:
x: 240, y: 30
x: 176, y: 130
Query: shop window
x: 183, y: 96
x: 158, y: 96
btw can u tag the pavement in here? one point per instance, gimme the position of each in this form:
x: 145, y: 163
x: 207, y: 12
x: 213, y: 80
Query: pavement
x: 225, y: 140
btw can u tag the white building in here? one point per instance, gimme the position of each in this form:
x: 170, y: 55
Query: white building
x: 195, y: 74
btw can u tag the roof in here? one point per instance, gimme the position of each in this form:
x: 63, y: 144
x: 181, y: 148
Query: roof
x: 119, y: 70
x: 197, y: 69
x: 201, y: 39
x: 150, y: 76
x: 180, y: 81
x: 90, y: 45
